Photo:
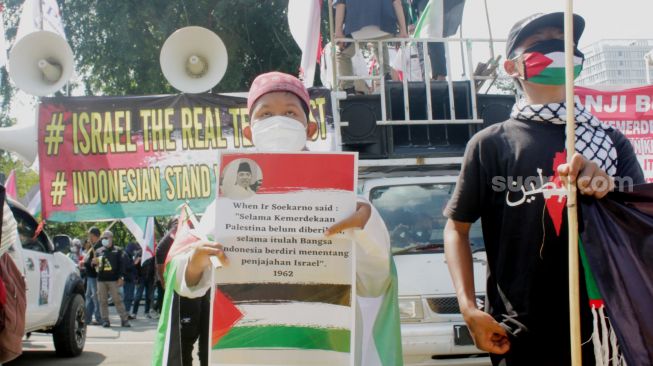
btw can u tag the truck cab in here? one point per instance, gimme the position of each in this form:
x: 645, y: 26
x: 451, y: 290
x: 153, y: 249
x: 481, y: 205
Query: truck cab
x: 55, y: 290
x: 432, y: 329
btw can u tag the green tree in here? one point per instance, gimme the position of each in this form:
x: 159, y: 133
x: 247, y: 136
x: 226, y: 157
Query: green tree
x: 26, y: 178
x: 117, y: 43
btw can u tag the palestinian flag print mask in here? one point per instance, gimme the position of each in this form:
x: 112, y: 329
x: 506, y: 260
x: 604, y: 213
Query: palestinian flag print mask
x: 544, y: 62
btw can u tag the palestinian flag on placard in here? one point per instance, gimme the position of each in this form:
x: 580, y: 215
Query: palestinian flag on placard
x: 278, y: 315
x: 549, y: 67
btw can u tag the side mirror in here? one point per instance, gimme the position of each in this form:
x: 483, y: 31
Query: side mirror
x: 62, y: 243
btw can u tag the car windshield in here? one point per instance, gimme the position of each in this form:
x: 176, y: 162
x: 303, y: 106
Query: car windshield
x: 413, y: 215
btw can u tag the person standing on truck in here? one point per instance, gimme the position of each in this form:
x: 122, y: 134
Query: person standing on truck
x: 110, y: 277
x: 279, y: 108
x: 506, y: 171
x: 367, y: 20
x: 92, y: 304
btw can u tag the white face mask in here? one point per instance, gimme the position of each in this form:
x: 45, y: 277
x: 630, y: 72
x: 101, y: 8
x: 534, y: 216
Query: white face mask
x: 279, y: 133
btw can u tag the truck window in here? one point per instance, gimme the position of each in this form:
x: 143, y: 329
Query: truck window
x: 413, y: 215
x: 26, y: 229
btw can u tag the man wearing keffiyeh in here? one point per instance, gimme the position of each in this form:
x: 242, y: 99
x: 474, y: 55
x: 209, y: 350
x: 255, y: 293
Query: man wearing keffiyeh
x: 513, y: 177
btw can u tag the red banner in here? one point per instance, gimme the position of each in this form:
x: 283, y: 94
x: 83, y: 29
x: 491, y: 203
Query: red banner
x: 631, y: 112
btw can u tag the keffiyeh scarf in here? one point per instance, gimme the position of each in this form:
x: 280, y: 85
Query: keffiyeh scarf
x: 592, y: 139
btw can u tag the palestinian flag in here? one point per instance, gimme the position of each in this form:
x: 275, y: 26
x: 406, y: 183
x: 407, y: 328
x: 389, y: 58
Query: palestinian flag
x: 167, y: 348
x: 440, y: 19
x: 549, y: 68
x: 278, y: 315
x: 143, y: 230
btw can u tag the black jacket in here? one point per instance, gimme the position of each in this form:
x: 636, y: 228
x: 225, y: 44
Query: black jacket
x: 111, y: 264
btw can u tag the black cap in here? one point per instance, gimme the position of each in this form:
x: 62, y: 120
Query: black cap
x: 94, y: 230
x: 527, y: 26
x: 244, y: 167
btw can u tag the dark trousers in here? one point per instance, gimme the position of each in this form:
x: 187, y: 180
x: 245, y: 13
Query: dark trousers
x: 159, y: 297
x: 143, y: 288
x: 128, y: 294
x: 194, y: 319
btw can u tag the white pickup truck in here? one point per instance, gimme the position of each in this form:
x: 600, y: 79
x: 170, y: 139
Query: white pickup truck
x: 55, y: 291
x: 432, y: 329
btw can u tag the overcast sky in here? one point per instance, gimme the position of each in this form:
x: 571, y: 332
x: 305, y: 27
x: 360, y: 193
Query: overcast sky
x: 604, y: 18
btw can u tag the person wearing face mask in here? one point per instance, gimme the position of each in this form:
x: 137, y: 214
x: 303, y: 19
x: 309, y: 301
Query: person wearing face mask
x: 74, y: 254
x: 278, y: 105
x: 526, y: 318
x: 110, y: 270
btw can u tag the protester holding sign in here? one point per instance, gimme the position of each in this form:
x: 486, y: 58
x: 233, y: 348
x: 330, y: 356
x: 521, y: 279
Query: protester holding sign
x: 512, y: 177
x: 279, y: 110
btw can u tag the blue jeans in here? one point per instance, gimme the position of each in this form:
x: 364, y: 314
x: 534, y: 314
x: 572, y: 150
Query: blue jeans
x: 92, y: 304
x: 128, y: 294
x: 143, y: 286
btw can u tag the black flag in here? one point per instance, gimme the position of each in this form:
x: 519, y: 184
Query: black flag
x: 618, y: 241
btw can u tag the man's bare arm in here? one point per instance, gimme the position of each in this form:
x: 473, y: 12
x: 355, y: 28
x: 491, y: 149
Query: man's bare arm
x: 401, y: 18
x: 487, y: 333
x: 340, y: 20
x: 458, y: 253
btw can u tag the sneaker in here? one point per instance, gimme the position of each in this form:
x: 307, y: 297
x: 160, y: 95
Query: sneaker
x: 106, y: 325
x: 125, y: 324
x: 95, y: 322
x: 131, y: 316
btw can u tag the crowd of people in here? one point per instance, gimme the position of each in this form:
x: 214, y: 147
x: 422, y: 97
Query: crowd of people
x: 113, y: 274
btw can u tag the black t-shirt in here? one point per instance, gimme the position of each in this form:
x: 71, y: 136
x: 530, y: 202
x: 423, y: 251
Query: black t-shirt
x: 526, y: 237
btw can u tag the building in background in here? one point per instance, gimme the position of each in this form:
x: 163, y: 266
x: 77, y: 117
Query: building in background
x: 649, y: 67
x: 616, y: 62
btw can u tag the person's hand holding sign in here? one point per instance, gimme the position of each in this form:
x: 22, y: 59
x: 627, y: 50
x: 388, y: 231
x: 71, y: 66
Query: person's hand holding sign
x: 357, y: 220
x: 201, y: 260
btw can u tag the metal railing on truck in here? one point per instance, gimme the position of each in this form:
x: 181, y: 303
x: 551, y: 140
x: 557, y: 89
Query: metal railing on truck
x: 472, y: 80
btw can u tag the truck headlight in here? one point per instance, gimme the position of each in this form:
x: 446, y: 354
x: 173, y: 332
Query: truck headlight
x: 411, y: 309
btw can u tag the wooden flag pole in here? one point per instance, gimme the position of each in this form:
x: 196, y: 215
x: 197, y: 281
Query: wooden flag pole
x: 572, y: 212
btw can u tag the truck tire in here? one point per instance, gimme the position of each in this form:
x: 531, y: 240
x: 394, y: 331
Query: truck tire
x: 69, y: 336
